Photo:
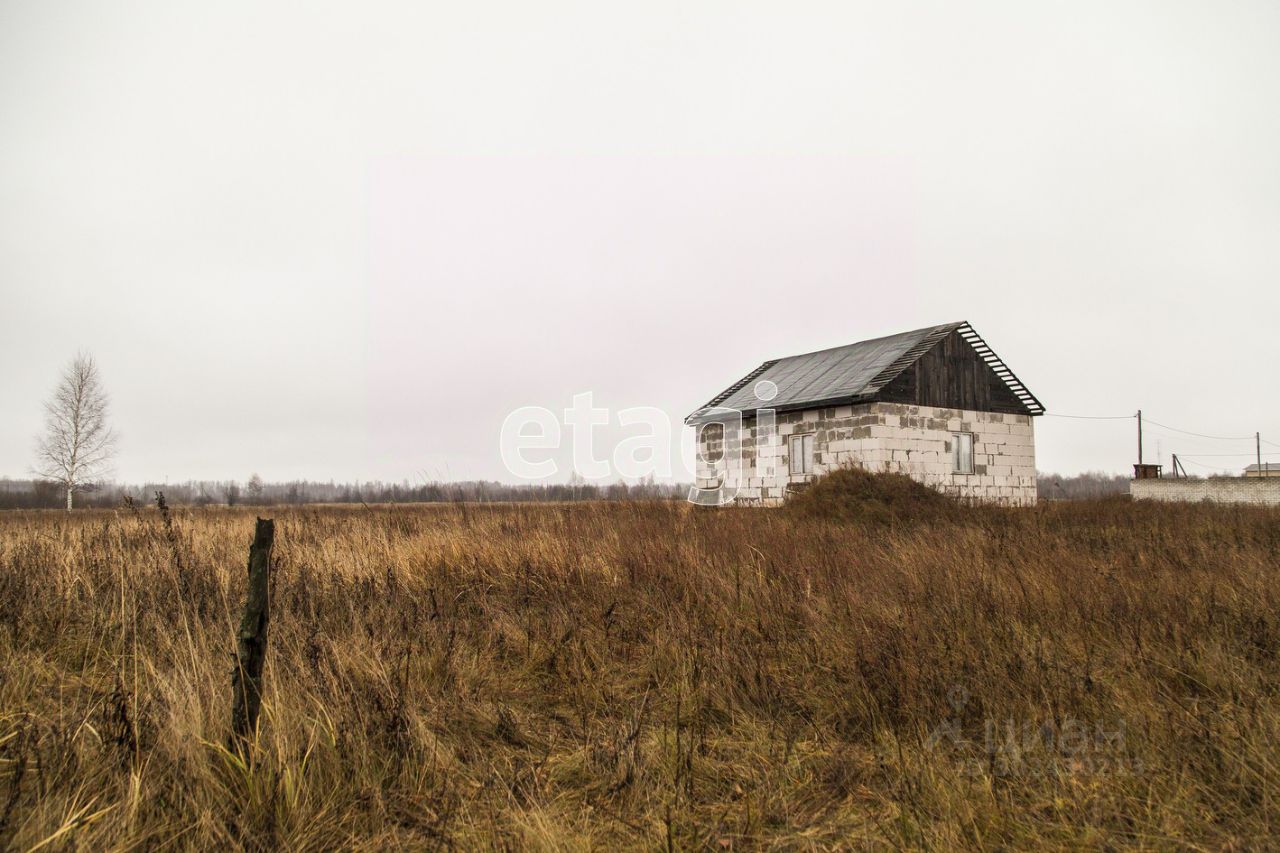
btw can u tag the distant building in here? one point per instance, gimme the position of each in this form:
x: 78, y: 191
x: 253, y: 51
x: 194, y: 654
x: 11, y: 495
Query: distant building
x: 936, y: 404
x: 1264, y: 469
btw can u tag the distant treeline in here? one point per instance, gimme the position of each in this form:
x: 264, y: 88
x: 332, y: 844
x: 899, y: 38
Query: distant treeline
x: 1091, y: 484
x: 36, y: 494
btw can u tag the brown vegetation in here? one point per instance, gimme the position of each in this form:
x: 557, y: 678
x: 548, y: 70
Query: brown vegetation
x: 855, y: 495
x: 646, y: 675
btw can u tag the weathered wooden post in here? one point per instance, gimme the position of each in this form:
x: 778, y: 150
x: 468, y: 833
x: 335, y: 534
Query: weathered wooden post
x: 251, y: 641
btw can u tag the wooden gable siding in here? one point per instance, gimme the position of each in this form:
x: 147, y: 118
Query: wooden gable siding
x: 953, y: 376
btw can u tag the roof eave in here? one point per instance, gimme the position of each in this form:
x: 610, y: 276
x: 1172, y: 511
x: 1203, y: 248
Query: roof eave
x: 750, y: 414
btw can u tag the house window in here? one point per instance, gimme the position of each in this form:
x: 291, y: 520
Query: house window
x: 962, y: 452
x: 801, y: 456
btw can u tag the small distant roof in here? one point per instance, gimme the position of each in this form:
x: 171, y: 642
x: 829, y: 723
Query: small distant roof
x: 1265, y: 466
x: 841, y: 374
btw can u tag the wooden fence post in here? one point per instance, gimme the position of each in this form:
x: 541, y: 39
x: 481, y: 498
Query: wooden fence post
x: 251, y: 641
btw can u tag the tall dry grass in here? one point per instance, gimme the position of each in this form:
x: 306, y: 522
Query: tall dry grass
x: 646, y: 676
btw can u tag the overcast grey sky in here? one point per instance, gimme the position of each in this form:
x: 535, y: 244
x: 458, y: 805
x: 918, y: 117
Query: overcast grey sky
x: 345, y: 240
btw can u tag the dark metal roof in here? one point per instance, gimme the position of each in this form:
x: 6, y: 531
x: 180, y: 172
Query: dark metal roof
x: 846, y: 374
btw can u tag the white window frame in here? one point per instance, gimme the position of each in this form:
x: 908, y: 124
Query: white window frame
x: 800, y: 450
x: 957, y: 461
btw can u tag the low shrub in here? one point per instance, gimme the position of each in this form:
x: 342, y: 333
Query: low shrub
x: 858, y: 495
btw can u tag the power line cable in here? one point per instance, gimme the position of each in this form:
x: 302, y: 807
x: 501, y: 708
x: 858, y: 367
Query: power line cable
x: 1179, y: 435
x: 1149, y: 421
x: 1201, y: 464
x: 1207, y: 455
x: 1200, y: 434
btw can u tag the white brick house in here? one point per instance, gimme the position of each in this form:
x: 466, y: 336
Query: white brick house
x: 936, y: 404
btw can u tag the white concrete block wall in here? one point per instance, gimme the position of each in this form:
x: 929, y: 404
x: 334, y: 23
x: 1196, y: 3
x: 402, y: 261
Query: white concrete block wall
x: 1260, y: 491
x: 911, y: 440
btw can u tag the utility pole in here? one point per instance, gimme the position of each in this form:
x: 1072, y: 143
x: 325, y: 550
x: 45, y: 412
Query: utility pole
x: 1257, y: 443
x: 1139, y: 436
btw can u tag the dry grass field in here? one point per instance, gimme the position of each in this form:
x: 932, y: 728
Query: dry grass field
x: 648, y: 675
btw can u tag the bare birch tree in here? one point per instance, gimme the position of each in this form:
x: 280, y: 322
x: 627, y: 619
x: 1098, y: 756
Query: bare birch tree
x: 77, y: 444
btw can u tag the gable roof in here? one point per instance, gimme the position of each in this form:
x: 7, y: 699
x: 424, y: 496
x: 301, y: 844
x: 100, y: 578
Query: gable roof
x: 853, y: 373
